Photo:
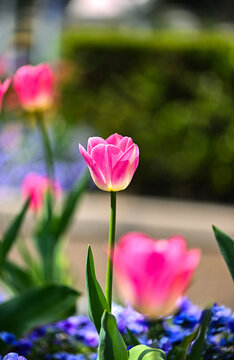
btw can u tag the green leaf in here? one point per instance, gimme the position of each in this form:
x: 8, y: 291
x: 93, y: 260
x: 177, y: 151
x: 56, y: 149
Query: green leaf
x: 197, y: 348
x: 226, y: 245
x: 132, y: 338
x: 71, y: 202
x: 96, y: 299
x: 16, y: 278
x: 11, y: 233
x: 48, y: 206
x: 46, y: 245
x: 143, y: 352
x: 111, y: 343
x: 37, y: 307
x: 180, y: 351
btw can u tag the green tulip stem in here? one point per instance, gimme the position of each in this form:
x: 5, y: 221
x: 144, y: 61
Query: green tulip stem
x: 46, y: 145
x: 109, y: 271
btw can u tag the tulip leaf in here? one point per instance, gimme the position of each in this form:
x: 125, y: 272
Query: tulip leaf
x: 197, y: 348
x: 180, y: 351
x: 11, y: 233
x: 132, y: 338
x: 226, y: 245
x: 15, y: 277
x: 143, y: 352
x: 111, y: 343
x: 97, y: 303
x: 70, y: 204
x: 37, y: 307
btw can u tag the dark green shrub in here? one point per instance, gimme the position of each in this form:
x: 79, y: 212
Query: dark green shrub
x: 171, y: 92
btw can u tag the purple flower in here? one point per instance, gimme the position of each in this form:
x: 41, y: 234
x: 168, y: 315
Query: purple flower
x: 73, y: 324
x: 128, y: 317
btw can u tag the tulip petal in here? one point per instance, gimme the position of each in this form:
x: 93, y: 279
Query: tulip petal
x: 94, y: 141
x: 125, y: 143
x: 96, y: 173
x: 106, y: 156
x: 124, y: 169
x: 5, y: 85
x: 114, y: 139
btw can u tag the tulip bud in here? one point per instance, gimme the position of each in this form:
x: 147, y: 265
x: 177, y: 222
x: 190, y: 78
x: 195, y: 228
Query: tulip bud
x: 112, y: 162
x: 153, y: 275
x: 35, y: 186
x: 34, y: 86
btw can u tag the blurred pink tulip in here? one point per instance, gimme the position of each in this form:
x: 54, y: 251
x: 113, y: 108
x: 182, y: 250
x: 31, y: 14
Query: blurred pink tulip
x: 35, y: 186
x: 112, y: 162
x: 34, y: 86
x: 3, y: 88
x: 153, y: 275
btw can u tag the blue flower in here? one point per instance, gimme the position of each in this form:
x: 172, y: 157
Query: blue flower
x: 24, y: 346
x: 220, y: 317
x: 188, y: 315
x: 165, y: 344
x: 8, y: 338
x: 230, y: 324
x: 128, y: 317
x: 67, y: 356
x: 13, y: 356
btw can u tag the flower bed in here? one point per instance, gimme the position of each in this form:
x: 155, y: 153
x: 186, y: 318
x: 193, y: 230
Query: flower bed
x: 77, y: 339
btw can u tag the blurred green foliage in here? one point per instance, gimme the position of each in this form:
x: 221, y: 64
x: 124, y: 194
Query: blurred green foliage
x: 171, y: 92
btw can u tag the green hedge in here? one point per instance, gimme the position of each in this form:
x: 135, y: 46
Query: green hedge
x: 173, y: 93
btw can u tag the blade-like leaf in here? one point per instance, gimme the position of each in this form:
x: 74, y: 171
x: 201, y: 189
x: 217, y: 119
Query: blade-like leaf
x: 197, y: 348
x: 111, y: 343
x: 180, y: 351
x: 96, y: 299
x: 71, y: 202
x: 226, y: 245
x: 143, y: 352
x: 16, y: 278
x: 11, y: 233
x: 133, y: 340
x: 37, y: 307
x: 46, y: 245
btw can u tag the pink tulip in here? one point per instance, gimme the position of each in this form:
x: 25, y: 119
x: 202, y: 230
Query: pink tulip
x: 3, y: 88
x: 34, y: 86
x: 35, y: 186
x: 112, y: 162
x: 153, y: 275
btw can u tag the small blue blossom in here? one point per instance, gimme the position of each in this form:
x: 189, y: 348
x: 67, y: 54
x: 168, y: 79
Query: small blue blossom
x: 175, y: 333
x: 67, y: 356
x: 128, y: 317
x: 24, y: 346
x: 13, y: 356
x: 8, y: 338
x: 188, y: 315
x: 165, y: 344
x: 73, y: 324
x: 230, y: 324
x: 220, y: 317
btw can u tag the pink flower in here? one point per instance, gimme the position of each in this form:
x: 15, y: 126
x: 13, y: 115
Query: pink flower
x: 34, y: 86
x: 112, y: 162
x: 153, y: 275
x: 35, y: 186
x: 3, y: 88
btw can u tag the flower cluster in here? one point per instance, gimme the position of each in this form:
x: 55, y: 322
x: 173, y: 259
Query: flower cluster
x: 76, y: 338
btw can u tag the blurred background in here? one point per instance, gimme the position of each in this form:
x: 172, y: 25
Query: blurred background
x: 160, y: 71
